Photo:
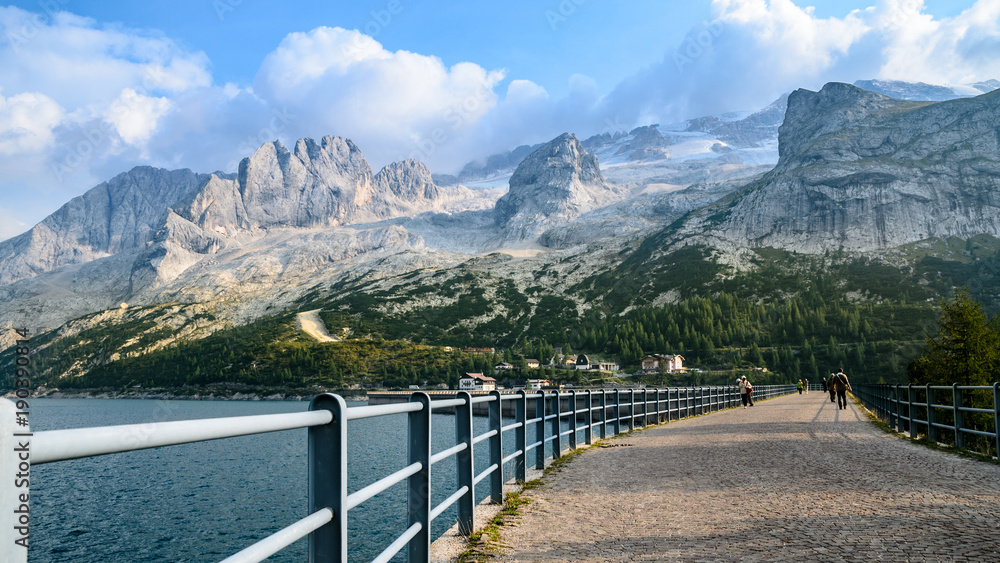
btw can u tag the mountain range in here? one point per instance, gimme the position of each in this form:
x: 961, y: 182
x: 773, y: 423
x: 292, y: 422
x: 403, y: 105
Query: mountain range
x: 845, y: 169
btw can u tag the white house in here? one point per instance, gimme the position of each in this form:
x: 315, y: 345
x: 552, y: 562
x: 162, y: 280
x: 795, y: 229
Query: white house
x: 672, y: 363
x: 477, y: 382
x: 532, y: 363
x: 604, y: 366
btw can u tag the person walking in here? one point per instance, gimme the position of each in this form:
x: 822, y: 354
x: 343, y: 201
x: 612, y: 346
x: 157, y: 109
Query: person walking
x: 807, y: 387
x: 800, y: 387
x: 842, y: 385
x: 823, y: 383
x: 746, y: 392
x: 832, y: 389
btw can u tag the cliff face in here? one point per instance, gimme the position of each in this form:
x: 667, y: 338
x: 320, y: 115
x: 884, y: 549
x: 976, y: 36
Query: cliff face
x: 861, y: 171
x: 120, y: 215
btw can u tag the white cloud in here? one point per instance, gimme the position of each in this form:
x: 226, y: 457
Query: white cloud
x: 78, y: 63
x: 72, y: 72
x: 961, y: 49
x: 135, y: 115
x: 81, y: 101
x: 26, y: 122
x: 794, y: 40
x: 393, y: 104
x: 756, y: 50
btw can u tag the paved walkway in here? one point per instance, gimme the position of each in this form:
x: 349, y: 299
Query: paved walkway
x: 791, y: 479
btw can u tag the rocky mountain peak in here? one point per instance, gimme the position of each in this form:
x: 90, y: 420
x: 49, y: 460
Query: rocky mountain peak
x: 558, y: 182
x: 647, y: 144
x: 558, y: 164
x: 319, y: 184
x: 836, y: 106
x: 409, y: 180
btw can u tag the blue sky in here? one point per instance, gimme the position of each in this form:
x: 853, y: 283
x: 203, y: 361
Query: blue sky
x: 90, y: 89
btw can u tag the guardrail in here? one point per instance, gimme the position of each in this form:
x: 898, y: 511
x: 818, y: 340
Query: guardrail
x: 603, y: 413
x: 933, y: 408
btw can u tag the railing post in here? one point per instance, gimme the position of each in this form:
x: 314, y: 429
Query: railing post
x: 996, y: 415
x: 959, y: 416
x: 588, y: 433
x: 618, y: 411
x: 466, y: 464
x: 645, y: 411
x: 496, y: 452
x: 885, y: 399
x: 14, y: 492
x: 897, y: 408
x: 604, y: 413
x: 911, y: 398
x: 659, y: 418
x: 631, y: 409
x: 328, y: 479
x: 419, y: 484
x: 931, y: 429
x: 521, y: 437
x: 572, y: 419
x: 556, y: 438
x: 540, y: 430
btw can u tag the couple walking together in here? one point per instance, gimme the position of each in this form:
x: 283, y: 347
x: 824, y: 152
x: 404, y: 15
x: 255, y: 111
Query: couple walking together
x: 839, y: 385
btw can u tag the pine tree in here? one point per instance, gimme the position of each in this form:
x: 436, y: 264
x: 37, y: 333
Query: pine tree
x: 966, y: 349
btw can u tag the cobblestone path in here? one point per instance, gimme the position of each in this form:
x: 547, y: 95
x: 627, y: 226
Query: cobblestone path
x: 790, y: 479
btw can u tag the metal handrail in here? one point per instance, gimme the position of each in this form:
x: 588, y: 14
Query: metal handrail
x: 276, y: 542
x: 900, y: 405
x: 61, y: 445
x: 590, y: 412
x: 383, y: 484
